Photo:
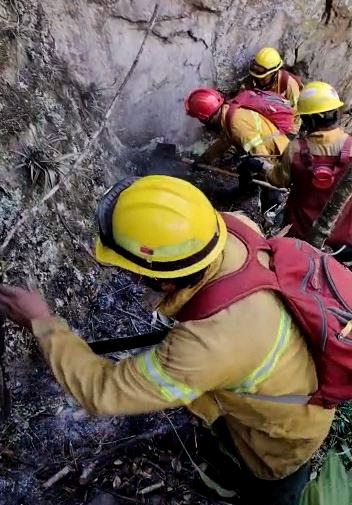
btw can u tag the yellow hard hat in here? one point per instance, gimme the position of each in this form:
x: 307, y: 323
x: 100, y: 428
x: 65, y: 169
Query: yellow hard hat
x: 160, y: 227
x: 317, y: 97
x: 269, y: 59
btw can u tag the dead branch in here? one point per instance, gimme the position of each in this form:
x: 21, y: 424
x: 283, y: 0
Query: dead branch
x: 325, y: 224
x: 152, y: 488
x: 74, y: 238
x: 107, y: 458
x: 89, y: 143
x: 66, y: 470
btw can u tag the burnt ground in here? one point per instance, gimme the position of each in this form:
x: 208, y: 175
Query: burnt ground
x: 133, y: 459
x: 51, y: 452
x: 47, y: 431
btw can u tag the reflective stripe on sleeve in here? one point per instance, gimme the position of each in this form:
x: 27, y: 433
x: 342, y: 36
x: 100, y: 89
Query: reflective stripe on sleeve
x: 250, y: 383
x: 171, y: 390
x: 257, y: 139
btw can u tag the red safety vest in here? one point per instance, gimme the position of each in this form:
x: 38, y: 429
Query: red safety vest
x: 314, y: 178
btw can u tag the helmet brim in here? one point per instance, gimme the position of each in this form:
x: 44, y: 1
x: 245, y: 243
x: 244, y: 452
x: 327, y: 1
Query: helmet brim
x: 107, y: 256
x: 320, y: 110
x: 266, y: 74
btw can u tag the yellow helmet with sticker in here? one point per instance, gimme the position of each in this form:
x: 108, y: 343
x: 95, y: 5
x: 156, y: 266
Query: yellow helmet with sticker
x: 159, y: 226
x: 318, y: 97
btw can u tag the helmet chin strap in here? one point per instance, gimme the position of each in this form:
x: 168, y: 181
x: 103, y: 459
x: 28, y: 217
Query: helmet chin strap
x: 309, y: 124
x: 268, y: 86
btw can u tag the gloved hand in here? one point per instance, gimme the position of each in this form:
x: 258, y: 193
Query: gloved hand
x: 251, y: 167
x: 248, y: 169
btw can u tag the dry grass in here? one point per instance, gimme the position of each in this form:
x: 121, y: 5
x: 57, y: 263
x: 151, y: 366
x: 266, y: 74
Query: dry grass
x: 17, y: 109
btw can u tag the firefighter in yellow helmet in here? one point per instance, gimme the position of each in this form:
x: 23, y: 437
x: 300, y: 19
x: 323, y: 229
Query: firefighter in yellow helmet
x: 266, y: 73
x: 166, y: 231
x: 312, y: 166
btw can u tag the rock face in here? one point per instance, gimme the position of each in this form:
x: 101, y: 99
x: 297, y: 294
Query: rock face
x: 63, y: 64
x: 192, y: 43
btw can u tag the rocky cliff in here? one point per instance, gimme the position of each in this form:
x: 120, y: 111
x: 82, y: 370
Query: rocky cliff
x: 87, y: 84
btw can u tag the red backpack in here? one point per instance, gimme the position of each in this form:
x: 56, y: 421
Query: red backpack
x: 317, y: 292
x: 284, y: 77
x: 314, y: 179
x: 270, y: 105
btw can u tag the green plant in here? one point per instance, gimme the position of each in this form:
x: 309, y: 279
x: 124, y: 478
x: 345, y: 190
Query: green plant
x: 333, y: 486
x: 43, y: 163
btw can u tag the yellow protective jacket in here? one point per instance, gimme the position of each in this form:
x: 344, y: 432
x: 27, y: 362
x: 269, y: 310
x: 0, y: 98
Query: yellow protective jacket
x: 250, y: 132
x: 323, y: 143
x: 291, y: 93
x: 252, y: 346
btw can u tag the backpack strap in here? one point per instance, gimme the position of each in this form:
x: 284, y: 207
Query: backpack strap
x: 305, y: 154
x: 230, y: 113
x: 307, y: 157
x: 345, y: 154
x: 288, y: 399
x: 232, y: 287
x: 283, y: 81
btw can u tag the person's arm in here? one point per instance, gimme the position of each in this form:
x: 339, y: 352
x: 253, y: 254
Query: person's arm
x: 215, y: 151
x: 292, y: 96
x: 292, y: 93
x: 246, y: 133
x: 154, y: 380
x: 280, y: 174
x: 174, y: 373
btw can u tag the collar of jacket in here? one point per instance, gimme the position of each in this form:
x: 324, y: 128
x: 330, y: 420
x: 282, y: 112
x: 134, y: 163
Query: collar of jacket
x: 172, y: 304
x: 326, y: 136
x: 224, y: 111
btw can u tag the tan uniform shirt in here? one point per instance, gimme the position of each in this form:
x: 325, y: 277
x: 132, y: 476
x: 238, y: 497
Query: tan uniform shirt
x: 252, y: 346
x: 323, y: 143
x: 250, y: 132
x: 291, y: 94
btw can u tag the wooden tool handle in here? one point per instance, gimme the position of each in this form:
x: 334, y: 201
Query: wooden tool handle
x: 227, y: 173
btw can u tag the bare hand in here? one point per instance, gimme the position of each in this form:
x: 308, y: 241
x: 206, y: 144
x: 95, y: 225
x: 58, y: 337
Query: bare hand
x: 22, y: 306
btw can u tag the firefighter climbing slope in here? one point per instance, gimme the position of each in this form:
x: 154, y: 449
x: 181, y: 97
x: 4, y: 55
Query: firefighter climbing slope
x: 238, y: 353
x: 313, y: 166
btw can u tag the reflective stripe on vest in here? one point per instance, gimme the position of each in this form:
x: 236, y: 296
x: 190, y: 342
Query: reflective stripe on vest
x: 250, y: 383
x: 171, y: 390
x: 258, y: 139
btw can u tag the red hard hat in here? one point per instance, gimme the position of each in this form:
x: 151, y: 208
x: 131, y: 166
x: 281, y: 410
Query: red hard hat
x: 202, y: 103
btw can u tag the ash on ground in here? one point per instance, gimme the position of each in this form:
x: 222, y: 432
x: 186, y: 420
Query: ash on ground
x: 138, y: 459
x: 47, y: 432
